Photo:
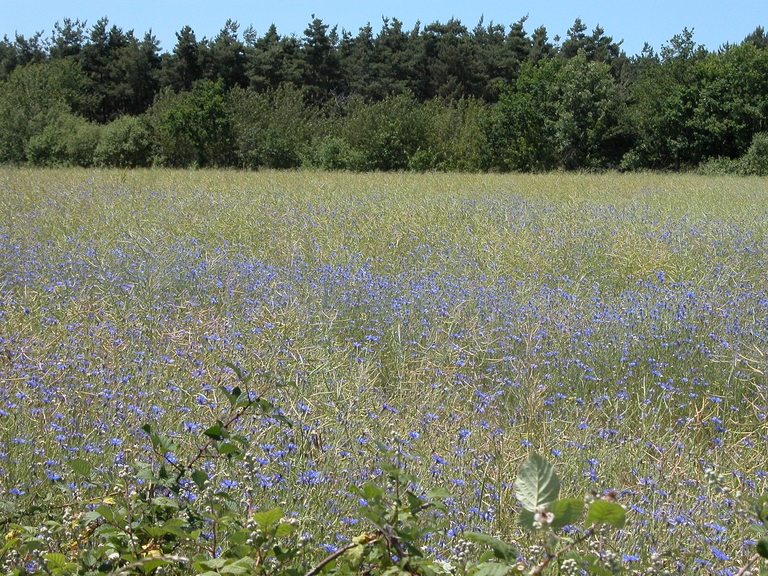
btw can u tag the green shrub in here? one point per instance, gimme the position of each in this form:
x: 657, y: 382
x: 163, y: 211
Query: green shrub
x: 755, y: 161
x: 193, y: 128
x: 125, y: 143
x: 272, y: 129
x: 31, y: 98
x: 67, y: 140
x: 334, y: 153
x: 387, y: 133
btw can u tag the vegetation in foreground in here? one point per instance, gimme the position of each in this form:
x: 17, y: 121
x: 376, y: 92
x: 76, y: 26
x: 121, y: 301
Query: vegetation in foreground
x: 434, y: 330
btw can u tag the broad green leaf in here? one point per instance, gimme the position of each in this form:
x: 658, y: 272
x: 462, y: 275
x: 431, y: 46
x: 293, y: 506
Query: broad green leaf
x: 106, y: 512
x: 371, y: 491
x: 284, y: 529
x: 414, y: 502
x: 602, y: 512
x: 81, y: 467
x: 214, y: 563
x: 525, y: 519
x: 536, y: 484
x: 566, y: 511
x: 150, y: 565
x: 501, y: 549
x: 55, y: 561
x: 266, y: 519
x: 241, y: 375
x: 438, y: 492
x: 240, y: 566
x: 217, y: 431
x: 355, y: 555
x: 762, y: 547
x: 492, y: 569
x: 90, y: 516
x: 199, y: 477
x: 227, y: 448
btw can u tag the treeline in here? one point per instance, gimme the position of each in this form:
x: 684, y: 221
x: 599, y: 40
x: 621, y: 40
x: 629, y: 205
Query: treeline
x: 437, y: 97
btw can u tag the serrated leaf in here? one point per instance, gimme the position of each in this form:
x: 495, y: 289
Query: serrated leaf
x: 525, y: 520
x: 355, y: 556
x: 536, y: 484
x: 438, y: 492
x: 414, y: 502
x: 106, y: 512
x: 241, y: 375
x: 90, y: 516
x: 762, y: 547
x: 55, y: 561
x: 492, y: 569
x: 602, y: 512
x: 284, y: 529
x: 81, y: 467
x: 240, y: 566
x: 227, y: 449
x: 501, y: 549
x: 266, y: 519
x: 216, y: 431
x: 566, y: 511
x: 199, y: 477
x: 150, y: 565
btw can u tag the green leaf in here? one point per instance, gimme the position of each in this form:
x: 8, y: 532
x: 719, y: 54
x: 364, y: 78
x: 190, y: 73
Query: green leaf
x: 492, y: 569
x: 762, y: 547
x: 199, y: 477
x: 55, y: 561
x: 81, y: 467
x: 240, y: 566
x: 284, y: 529
x: 217, y: 431
x: 536, y: 484
x: 566, y: 511
x: 241, y: 375
x: 525, y: 519
x: 355, y: 556
x: 266, y: 519
x: 414, y: 502
x: 501, y: 549
x: 106, y: 512
x: 150, y: 565
x: 438, y: 492
x: 228, y: 449
x: 602, y: 512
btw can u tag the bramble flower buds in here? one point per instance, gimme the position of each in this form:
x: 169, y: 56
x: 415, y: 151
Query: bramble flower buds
x: 542, y: 518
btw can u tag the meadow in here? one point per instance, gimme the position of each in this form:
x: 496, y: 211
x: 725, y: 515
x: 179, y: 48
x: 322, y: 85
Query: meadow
x: 617, y: 324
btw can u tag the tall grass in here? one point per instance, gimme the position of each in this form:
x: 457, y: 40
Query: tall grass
x: 617, y: 323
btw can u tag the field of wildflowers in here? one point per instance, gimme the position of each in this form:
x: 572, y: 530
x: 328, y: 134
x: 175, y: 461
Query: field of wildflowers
x: 617, y: 324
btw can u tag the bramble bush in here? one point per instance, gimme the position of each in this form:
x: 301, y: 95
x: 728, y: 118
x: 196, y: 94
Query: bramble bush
x: 170, y: 518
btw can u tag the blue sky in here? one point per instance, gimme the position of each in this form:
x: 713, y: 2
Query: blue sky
x: 634, y: 21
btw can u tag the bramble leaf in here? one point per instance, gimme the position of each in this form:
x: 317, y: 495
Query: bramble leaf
x: 267, y: 518
x: 81, y: 467
x: 199, y: 477
x: 536, y: 484
x: 602, y: 512
x: 762, y: 547
x: 493, y: 569
x: 566, y: 511
x: 501, y: 549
